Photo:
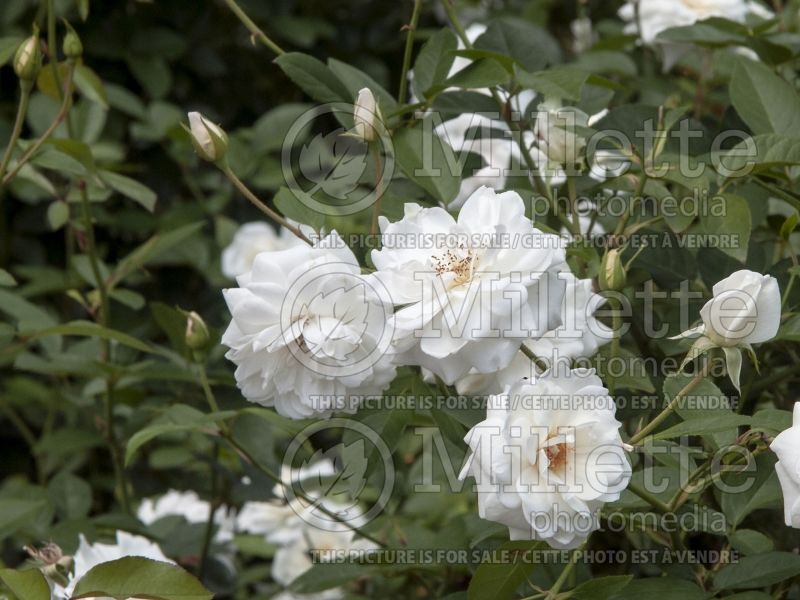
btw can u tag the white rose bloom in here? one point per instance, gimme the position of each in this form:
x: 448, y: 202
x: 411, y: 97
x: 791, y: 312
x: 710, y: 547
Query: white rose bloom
x: 557, y: 136
x: 294, y: 559
x: 787, y: 446
x: 189, y: 506
x: 547, y: 457
x: 745, y: 309
x: 309, y: 332
x: 250, y: 240
x: 580, y: 335
x: 89, y: 556
x: 655, y: 16
x: 471, y: 289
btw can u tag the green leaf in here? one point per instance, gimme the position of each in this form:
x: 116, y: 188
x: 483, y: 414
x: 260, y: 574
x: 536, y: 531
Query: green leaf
x: 759, y: 153
x: 89, y: 329
x: 354, y: 79
x: 479, y: 74
x: 139, y: 577
x: 565, y: 83
x: 500, y: 580
x: 767, y: 103
x: 727, y: 220
x: 90, y: 85
x: 152, y: 249
x: 16, y: 513
x: 71, y: 496
x: 26, y: 585
x: 83, y: 9
x: 6, y: 279
x: 601, y: 588
x: 758, y: 571
x: 749, y: 541
x: 760, y: 485
x: 130, y: 188
x: 771, y: 420
x: 57, y: 214
x: 663, y: 588
x: 434, y: 61
x: 531, y: 46
x: 704, y: 426
x: 425, y: 160
x: 290, y: 205
x: 8, y: 46
x: 313, y: 77
x: 177, y: 418
x: 711, y: 33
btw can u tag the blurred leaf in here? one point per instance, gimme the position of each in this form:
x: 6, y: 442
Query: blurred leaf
x: 6, y: 279
x: 313, y: 77
x: 57, y: 214
x: 26, y: 585
x: 500, y: 580
x: 767, y: 103
x: 433, y: 61
x: 130, y: 188
x: 663, y: 588
x: 90, y: 85
x: 71, y: 496
x: 136, y: 576
x: 90, y: 329
x: 758, y: 571
x: 601, y: 588
x: 532, y: 47
x: 424, y: 160
x: 177, y: 418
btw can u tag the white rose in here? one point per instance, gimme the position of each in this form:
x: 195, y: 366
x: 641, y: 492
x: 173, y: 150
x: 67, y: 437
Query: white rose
x: 309, y: 332
x: 250, y: 240
x: 547, y: 457
x: 580, y: 335
x: 651, y: 17
x: 787, y: 446
x: 471, y: 289
x: 189, y: 506
x: 209, y: 140
x: 745, y: 309
x: 89, y: 556
x: 556, y: 133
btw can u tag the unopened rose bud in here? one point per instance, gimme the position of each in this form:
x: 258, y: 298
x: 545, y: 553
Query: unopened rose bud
x: 196, y: 336
x: 209, y: 140
x: 28, y: 59
x: 612, y: 272
x: 367, y: 116
x: 73, y: 47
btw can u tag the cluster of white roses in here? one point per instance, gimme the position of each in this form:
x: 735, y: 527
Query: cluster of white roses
x: 469, y: 299
x: 291, y: 524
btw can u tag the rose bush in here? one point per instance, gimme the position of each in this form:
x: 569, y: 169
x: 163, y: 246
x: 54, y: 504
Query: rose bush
x: 391, y: 300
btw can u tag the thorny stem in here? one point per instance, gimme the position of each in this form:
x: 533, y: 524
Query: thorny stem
x: 411, y: 29
x: 22, y: 109
x: 255, y: 201
x: 62, y: 113
x: 376, y: 207
x: 255, y: 31
x: 226, y: 434
x: 650, y: 427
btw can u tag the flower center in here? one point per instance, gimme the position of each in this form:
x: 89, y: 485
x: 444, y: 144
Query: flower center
x: 557, y: 457
x: 460, y: 261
